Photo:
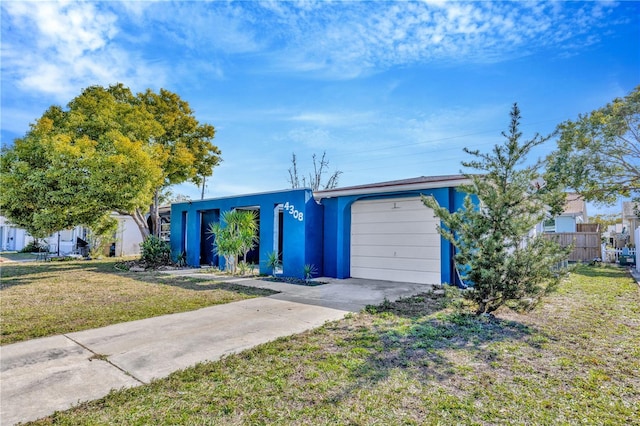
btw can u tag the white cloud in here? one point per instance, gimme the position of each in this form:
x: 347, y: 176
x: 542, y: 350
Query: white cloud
x: 62, y: 47
x: 310, y: 137
x: 207, y: 26
x: 332, y: 119
x: 347, y: 39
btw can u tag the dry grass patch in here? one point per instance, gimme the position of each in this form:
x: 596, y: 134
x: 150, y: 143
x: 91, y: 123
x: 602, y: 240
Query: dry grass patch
x: 43, y: 299
x: 574, y: 360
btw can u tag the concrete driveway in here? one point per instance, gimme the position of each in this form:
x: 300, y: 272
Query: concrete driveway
x: 351, y: 294
x: 41, y: 376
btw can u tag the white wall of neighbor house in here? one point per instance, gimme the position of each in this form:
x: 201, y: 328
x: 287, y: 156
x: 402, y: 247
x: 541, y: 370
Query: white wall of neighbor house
x: 64, y: 242
x: 566, y: 224
x: 128, y: 237
x: 12, y: 238
x: 15, y: 239
x: 637, y: 237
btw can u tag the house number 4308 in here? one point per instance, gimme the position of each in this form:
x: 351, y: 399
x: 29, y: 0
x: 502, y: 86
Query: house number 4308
x: 293, y: 212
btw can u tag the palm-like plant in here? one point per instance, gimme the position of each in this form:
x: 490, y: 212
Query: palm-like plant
x: 236, y: 237
x: 273, y: 262
x: 247, y: 226
x: 309, y: 271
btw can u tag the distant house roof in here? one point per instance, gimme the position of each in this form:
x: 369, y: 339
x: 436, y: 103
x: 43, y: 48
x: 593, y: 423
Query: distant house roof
x: 422, y: 182
x: 574, y: 205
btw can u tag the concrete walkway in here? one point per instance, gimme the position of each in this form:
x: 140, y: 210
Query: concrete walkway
x: 41, y: 376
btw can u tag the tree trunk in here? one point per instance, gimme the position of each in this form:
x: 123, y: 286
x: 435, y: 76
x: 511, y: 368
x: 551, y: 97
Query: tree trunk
x: 141, y: 221
x: 155, y: 215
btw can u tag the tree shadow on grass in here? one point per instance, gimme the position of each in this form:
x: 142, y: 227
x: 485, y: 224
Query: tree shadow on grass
x: 26, y: 274
x: 431, y: 348
x: 198, y: 284
x: 183, y: 282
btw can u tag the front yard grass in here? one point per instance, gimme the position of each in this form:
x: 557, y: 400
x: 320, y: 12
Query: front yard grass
x: 6, y: 256
x: 40, y: 299
x: 573, y: 360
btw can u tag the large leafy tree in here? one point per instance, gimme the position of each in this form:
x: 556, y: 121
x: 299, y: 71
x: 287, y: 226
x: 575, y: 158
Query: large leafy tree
x: 496, y: 250
x: 108, y: 151
x: 52, y: 180
x: 598, y: 154
x: 184, y: 148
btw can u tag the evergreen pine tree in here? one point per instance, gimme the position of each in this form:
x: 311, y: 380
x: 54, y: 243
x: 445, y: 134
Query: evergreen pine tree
x: 496, y: 248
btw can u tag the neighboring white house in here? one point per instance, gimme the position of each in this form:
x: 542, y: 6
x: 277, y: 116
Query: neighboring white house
x: 575, y: 212
x: 614, y: 236
x: 630, y: 219
x: 12, y: 238
x: 127, y: 238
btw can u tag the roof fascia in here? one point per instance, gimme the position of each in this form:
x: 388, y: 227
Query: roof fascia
x: 389, y: 188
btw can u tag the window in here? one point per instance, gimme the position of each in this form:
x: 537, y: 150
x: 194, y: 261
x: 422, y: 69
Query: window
x: 550, y: 225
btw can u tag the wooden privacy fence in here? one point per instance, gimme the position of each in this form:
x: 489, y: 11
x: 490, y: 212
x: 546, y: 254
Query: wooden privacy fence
x: 586, y: 245
x: 587, y: 227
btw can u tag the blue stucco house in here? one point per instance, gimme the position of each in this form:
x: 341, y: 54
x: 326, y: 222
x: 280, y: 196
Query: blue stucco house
x: 377, y: 231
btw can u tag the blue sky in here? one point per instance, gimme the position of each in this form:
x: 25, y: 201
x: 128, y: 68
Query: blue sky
x: 390, y: 90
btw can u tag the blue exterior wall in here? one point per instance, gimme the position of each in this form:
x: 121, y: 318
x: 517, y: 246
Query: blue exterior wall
x: 313, y: 233
x: 301, y: 233
x: 337, y: 227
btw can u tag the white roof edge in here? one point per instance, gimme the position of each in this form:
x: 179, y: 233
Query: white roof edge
x: 254, y: 194
x: 390, y: 188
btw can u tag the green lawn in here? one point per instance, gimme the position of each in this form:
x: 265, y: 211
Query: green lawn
x: 13, y: 255
x: 574, y: 360
x: 40, y: 299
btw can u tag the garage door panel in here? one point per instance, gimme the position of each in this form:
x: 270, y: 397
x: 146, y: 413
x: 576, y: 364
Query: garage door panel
x: 415, y: 240
x: 406, y: 252
x: 396, y: 264
x: 391, y: 275
x: 395, y: 239
x: 393, y: 228
x: 382, y: 205
x: 396, y: 215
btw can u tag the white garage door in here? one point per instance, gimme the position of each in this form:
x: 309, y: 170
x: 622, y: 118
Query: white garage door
x: 395, y: 240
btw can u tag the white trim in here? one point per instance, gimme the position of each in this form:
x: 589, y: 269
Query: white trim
x: 384, y: 189
x: 276, y: 227
x: 228, y: 197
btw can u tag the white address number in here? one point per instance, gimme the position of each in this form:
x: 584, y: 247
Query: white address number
x: 293, y: 212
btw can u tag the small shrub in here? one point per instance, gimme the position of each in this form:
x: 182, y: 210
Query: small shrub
x: 101, y: 237
x: 182, y: 259
x: 155, y: 252
x: 35, y: 246
x: 243, y: 267
x: 309, y: 271
x: 273, y: 262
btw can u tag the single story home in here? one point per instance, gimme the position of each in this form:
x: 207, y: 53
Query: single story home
x: 126, y: 239
x: 630, y: 220
x: 378, y: 231
x: 573, y: 214
x: 12, y: 238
